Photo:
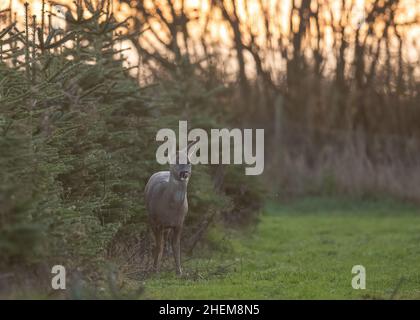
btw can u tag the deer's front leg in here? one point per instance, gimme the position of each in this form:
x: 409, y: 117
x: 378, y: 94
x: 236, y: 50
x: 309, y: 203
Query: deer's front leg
x: 159, y: 243
x: 176, y: 248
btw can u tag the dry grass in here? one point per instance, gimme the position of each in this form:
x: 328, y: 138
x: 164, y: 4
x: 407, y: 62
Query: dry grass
x: 345, y: 162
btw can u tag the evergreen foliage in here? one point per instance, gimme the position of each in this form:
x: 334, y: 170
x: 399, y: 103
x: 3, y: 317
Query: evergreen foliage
x: 77, y: 142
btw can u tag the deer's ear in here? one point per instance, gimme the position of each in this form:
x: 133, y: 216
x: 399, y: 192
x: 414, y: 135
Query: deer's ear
x: 191, y: 148
x: 172, y: 156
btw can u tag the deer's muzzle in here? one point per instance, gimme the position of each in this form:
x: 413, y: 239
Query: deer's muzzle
x: 183, y: 175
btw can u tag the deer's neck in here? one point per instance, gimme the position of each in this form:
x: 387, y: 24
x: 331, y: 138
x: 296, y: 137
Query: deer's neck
x: 177, y: 191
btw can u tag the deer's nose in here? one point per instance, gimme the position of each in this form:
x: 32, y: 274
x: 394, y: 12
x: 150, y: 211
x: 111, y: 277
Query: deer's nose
x: 183, y: 175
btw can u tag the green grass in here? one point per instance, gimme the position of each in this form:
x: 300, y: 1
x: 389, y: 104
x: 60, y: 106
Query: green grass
x: 305, y: 250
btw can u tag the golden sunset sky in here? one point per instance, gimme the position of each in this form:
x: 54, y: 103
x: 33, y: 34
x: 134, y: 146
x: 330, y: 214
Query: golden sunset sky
x: 249, y: 12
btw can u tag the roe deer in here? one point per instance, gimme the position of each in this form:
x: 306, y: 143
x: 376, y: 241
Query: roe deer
x: 167, y: 206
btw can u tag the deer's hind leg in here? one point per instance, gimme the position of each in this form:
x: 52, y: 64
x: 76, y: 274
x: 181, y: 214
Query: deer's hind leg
x: 176, y: 248
x: 158, y: 233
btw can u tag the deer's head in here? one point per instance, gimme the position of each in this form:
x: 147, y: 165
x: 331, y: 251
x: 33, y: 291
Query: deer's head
x: 181, y: 172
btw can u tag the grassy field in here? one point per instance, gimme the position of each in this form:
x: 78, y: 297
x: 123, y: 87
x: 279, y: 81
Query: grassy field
x: 306, y: 250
